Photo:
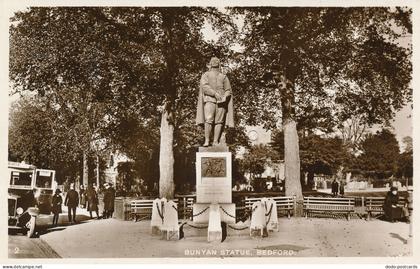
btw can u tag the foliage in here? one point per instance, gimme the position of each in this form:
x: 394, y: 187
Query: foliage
x: 319, y: 155
x: 344, y: 62
x: 408, y: 143
x: 319, y: 67
x: 37, y: 136
x: 405, y: 160
x: 110, y: 73
x: 353, y: 132
x: 405, y: 165
x: 380, y: 155
x: 256, y: 159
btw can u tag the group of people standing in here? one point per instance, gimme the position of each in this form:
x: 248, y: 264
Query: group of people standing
x: 85, y: 198
x: 337, y: 188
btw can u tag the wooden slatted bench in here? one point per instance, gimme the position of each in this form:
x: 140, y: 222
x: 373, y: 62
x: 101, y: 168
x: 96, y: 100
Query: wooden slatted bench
x: 328, y: 204
x: 375, y: 205
x: 284, y: 204
x: 142, y: 209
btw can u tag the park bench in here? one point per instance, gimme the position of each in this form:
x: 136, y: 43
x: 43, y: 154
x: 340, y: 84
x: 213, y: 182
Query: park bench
x: 142, y: 209
x: 375, y: 205
x: 284, y: 204
x: 328, y: 205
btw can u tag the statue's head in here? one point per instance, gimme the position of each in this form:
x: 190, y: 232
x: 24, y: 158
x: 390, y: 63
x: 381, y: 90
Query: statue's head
x: 214, y: 62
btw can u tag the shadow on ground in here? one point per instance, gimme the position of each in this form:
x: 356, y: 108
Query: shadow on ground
x: 399, y: 237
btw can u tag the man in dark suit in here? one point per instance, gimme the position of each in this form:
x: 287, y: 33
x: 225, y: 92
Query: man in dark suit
x: 109, y: 199
x: 334, y: 188
x: 72, y: 201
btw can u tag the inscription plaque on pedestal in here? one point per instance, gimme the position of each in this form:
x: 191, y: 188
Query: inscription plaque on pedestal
x: 214, y: 177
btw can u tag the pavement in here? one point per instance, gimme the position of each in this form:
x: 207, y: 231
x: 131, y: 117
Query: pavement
x: 297, y: 237
x: 20, y: 246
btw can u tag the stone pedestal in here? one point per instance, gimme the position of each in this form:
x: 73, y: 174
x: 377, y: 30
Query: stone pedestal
x: 214, y: 189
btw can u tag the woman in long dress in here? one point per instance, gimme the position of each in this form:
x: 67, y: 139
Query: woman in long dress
x: 393, y: 211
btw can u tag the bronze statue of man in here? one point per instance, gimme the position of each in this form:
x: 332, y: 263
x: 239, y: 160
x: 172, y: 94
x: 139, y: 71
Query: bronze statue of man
x: 215, y: 104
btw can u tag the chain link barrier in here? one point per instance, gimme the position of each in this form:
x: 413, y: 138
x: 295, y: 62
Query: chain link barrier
x: 227, y: 213
x: 158, y: 210
x: 238, y: 229
x: 201, y: 212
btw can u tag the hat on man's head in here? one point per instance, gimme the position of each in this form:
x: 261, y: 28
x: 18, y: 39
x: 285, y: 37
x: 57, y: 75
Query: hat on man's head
x: 214, y: 62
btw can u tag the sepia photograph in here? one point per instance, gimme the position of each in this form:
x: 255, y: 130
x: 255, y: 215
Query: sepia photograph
x: 210, y: 132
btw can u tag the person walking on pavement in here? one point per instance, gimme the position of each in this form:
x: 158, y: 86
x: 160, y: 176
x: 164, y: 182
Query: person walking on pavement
x: 72, y: 201
x: 109, y: 198
x: 56, y: 204
x: 92, y: 201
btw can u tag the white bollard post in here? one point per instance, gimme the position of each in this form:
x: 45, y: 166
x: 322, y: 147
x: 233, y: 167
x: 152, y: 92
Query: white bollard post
x: 157, y: 217
x: 258, y: 224
x: 271, y: 215
x: 170, y: 227
x: 214, y: 232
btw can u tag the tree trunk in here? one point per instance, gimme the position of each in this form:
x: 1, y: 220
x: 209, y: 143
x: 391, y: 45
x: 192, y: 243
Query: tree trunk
x: 85, y: 168
x: 166, y: 157
x: 291, y: 159
x: 291, y: 141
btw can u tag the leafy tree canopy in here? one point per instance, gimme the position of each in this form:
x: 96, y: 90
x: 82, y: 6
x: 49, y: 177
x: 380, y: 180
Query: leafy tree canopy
x: 380, y: 155
x: 341, y: 61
